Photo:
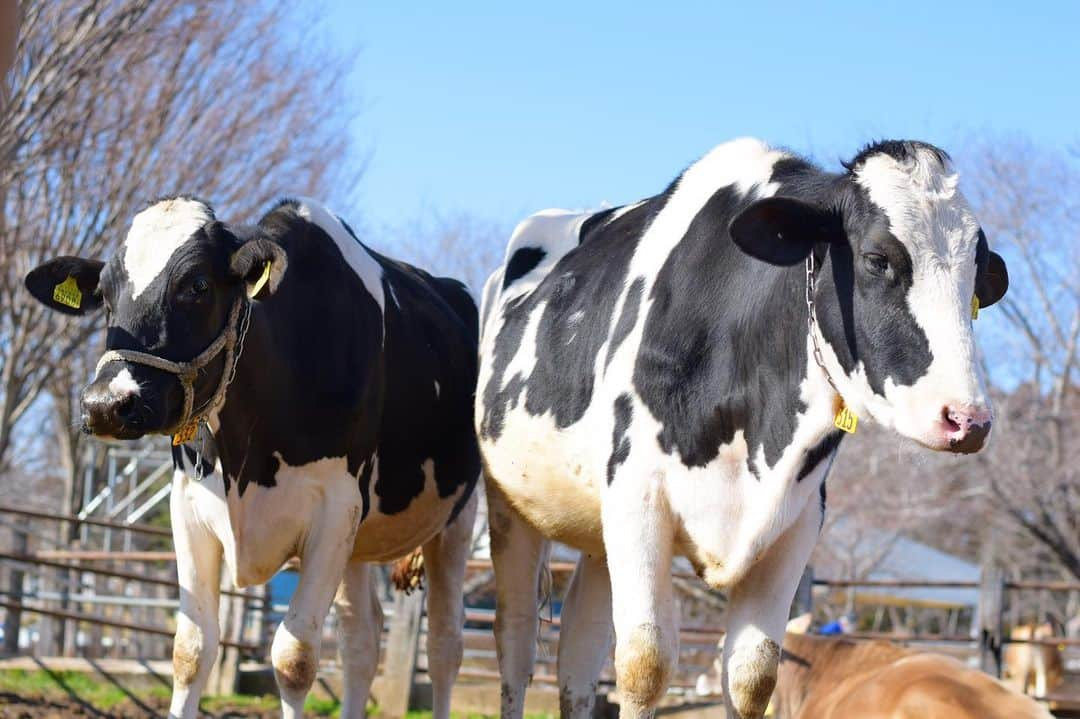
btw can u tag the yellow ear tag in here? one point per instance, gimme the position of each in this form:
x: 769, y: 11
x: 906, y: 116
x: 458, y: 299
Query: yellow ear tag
x: 974, y: 307
x: 186, y: 433
x: 67, y: 293
x: 261, y: 282
x: 845, y: 420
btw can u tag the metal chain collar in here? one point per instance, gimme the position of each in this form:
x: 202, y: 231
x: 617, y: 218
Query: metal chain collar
x: 811, y: 320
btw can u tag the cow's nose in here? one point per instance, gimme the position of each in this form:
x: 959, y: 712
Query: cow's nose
x: 110, y: 414
x: 966, y: 427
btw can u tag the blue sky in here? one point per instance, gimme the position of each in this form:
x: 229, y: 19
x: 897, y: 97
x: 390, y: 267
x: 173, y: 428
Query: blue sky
x: 501, y: 109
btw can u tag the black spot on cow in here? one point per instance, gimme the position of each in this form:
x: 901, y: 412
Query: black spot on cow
x: 716, y: 355
x: 900, y: 150
x: 620, y: 443
x: 522, y: 262
x: 594, y: 221
x: 822, y: 496
x: 819, y: 453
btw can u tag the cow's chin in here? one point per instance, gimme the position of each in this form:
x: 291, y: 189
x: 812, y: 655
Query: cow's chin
x: 119, y: 435
x: 935, y: 435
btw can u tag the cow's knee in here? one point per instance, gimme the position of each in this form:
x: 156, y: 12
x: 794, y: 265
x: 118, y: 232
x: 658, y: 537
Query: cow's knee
x: 191, y: 652
x: 643, y: 665
x: 752, y: 670
x: 295, y: 661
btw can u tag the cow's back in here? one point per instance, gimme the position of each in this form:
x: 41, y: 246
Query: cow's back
x: 837, y: 679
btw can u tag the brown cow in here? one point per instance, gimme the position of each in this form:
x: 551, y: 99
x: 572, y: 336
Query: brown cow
x: 1035, y: 666
x: 826, y: 678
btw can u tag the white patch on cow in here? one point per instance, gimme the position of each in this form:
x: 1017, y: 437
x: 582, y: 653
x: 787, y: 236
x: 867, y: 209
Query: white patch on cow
x: 364, y: 265
x: 930, y: 216
x: 156, y: 233
x: 556, y: 232
x: 489, y: 299
x: 525, y: 360
x: 123, y: 385
x: 436, y: 389
x: 393, y: 295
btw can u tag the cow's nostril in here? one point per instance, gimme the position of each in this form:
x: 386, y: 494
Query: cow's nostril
x: 126, y: 410
x: 951, y: 419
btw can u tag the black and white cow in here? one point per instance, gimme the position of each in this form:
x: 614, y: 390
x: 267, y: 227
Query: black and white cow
x: 648, y: 388
x: 336, y: 388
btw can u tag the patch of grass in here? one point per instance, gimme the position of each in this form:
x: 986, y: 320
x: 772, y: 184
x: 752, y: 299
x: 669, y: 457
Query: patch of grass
x: 321, y: 707
x: 217, y: 703
x: 104, y: 696
x: 65, y: 684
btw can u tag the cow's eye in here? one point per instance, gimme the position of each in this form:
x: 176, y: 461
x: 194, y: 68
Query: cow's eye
x: 876, y: 264
x: 200, y: 285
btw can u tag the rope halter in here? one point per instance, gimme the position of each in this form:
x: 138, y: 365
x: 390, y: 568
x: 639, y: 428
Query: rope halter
x: 231, y: 341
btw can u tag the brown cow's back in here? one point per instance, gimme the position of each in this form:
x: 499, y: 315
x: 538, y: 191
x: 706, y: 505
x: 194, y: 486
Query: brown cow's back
x: 839, y: 679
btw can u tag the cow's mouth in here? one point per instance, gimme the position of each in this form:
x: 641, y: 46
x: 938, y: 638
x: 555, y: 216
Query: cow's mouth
x: 957, y: 438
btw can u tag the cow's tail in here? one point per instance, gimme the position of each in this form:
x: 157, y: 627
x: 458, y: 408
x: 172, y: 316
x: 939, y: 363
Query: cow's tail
x: 407, y: 573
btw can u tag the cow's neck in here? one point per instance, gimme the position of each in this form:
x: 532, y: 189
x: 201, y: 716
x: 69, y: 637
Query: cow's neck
x: 780, y: 390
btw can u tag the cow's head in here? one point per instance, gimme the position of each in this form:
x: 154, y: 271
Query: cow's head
x: 902, y: 260
x: 168, y: 292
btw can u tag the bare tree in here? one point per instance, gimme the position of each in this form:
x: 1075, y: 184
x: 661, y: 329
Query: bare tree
x: 115, y: 103
x: 1027, y: 200
x: 457, y: 245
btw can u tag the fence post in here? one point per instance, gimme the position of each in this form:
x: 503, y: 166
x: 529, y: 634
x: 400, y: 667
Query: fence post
x: 991, y: 630
x: 804, y: 594
x: 13, y: 619
x: 402, y: 646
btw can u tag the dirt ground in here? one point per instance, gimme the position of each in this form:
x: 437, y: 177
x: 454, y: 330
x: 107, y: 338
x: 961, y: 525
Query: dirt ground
x: 41, y: 707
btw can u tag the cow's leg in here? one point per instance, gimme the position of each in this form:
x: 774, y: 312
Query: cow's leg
x: 295, y: 650
x: 198, y: 569
x: 360, y: 621
x: 444, y: 564
x: 758, y: 608
x: 585, y: 636
x: 639, y: 540
x: 517, y: 551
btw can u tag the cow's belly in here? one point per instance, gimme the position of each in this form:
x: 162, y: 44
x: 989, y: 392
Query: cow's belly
x: 320, y: 501
x: 723, y: 518
x: 550, y: 477
x: 384, y: 537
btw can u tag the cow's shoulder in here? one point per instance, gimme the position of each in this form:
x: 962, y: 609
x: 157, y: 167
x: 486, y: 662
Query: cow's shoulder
x: 292, y: 220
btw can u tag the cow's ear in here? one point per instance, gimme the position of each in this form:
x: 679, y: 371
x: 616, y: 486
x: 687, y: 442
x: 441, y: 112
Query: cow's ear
x: 991, y: 284
x: 782, y: 230
x: 260, y: 264
x: 66, y: 284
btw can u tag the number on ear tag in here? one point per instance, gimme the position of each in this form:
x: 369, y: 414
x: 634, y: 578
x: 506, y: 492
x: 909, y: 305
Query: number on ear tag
x: 845, y: 420
x: 974, y: 307
x: 68, y: 293
x: 261, y: 282
x: 186, y: 433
